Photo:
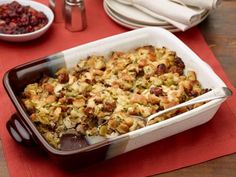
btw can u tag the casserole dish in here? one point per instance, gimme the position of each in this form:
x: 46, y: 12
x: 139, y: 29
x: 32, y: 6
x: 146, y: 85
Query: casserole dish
x: 23, y: 130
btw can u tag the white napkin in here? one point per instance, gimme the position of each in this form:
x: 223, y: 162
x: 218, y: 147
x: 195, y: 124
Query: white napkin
x: 204, y: 4
x: 178, y: 15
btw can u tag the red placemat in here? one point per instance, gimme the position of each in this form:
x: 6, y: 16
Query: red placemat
x: 213, y: 139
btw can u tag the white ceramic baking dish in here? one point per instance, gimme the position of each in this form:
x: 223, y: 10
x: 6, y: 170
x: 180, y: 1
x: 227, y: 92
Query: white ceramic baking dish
x: 121, y: 42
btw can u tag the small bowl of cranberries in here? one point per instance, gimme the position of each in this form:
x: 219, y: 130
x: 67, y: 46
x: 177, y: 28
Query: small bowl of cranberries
x: 23, y: 20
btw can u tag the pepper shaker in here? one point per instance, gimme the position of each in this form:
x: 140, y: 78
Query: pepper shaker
x: 75, y: 17
x: 57, y: 7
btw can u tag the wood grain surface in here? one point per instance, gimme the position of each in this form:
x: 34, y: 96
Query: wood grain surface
x: 219, y: 30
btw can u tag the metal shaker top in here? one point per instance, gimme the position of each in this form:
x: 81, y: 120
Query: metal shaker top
x: 75, y: 1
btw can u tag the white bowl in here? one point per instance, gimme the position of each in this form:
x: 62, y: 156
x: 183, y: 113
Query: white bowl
x: 33, y: 35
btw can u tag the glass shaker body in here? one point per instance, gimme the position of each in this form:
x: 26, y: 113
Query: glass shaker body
x: 75, y: 15
x: 58, y: 7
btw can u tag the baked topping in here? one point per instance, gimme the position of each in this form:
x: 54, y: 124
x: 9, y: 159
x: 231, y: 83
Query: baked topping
x: 99, y: 96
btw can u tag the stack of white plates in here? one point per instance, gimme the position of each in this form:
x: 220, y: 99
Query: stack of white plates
x: 133, y: 18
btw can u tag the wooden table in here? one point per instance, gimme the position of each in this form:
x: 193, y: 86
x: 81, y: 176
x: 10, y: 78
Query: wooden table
x: 219, y: 30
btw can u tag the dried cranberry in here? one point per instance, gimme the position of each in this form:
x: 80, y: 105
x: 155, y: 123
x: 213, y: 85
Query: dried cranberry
x: 175, y: 69
x: 19, y: 9
x: 33, y: 20
x: 69, y: 100
x: 12, y: 14
x: 64, y: 108
x: 63, y: 78
x: 161, y: 69
x: 156, y: 91
x: 7, y: 20
x: 40, y: 15
x: 24, y: 21
x: 29, y: 29
x: 192, y: 93
x: 12, y: 25
x: 179, y: 63
x: 14, y: 5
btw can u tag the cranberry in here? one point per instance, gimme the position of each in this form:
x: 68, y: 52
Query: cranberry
x: 12, y: 14
x: 161, y: 69
x: 63, y: 78
x: 175, y: 69
x: 156, y: 91
x: 29, y: 29
x: 192, y: 93
x: 33, y: 20
x: 24, y: 21
x: 20, y: 9
x: 179, y: 63
x: 18, y: 19
x: 7, y: 20
x: 69, y: 100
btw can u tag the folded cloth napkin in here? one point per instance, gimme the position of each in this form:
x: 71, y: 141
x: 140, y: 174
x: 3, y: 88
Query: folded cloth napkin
x: 176, y: 14
x: 204, y: 4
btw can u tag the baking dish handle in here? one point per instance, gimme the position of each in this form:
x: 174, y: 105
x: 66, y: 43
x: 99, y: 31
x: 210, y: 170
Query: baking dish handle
x: 18, y: 131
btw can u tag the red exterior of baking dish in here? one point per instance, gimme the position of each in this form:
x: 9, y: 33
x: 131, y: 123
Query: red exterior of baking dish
x: 23, y: 130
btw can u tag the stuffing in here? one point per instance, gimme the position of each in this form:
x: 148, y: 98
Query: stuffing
x: 101, y: 96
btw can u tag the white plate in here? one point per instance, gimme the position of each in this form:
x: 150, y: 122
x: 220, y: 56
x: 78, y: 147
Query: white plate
x: 116, y: 16
x: 33, y: 35
x: 134, y: 14
x: 133, y: 24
